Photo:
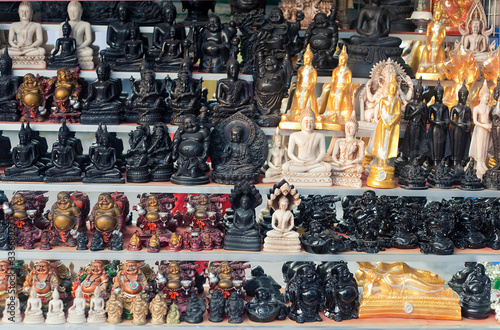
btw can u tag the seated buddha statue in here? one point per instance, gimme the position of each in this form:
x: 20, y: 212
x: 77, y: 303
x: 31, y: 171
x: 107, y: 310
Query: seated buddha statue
x: 8, y: 89
x: 63, y: 167
x: 65, y: 91
x: 25, y: 160
x: 64, y: 53
x: 172, y: 52
x: 225, y: 276
x: 163, y: 31
x: 174, y: 276
x: 133, y: 53
x: 81, y: 31
x: 276, y: 157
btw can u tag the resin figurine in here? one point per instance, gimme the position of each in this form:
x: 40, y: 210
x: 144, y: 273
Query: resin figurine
x: 65, y: 91
x: 475, y: 33
x: 437, y: 228
x: 63, y: 55
x: 5, y: 151
x: 264, y: 307
x: 305, y: 166
x: 475, y: 296
x: 386, y: 138
x: 97, y: 311
x: 276, y: 157
x: 55, y: 312
x: 114, y: 309
x: 433, y: 55
x: 346, y: 157
x: 81, y: 31
x: 30, y: 98
x: 42, y: 281
x: 137, y: 157
x: 216, y: 307
x: 195, y: 309
x: 103, y: 157
x: 96, y: 276
x: 167, y: 32
x: 160, y: 154
x: 139, y: 310
x: 238, y: 150
x: 108, y: 216
x: 173, y: 316
x: 481, y: 135
x: 158, y: 308
x: 243, y: 233
x: 492, y: 178
x: 26, y: 40
x: 172, y: 52
x: 190, y: 150
x: 306, y: 293
x: 13, y: 313
x: 8, y: 89
x: 470, y: 180
x: 63, y: 167
x: 439, y: 119
x: 197, y: 10
x: 235, y: 308
x: 282, y: 238
x: 130, y: 281
x: 33, y: 313
x: 214, y: 43
x: 76, y: 313
x: 459, y: 278
x: 342, y: 297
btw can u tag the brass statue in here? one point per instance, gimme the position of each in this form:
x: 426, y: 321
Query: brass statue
x: 433, y: 55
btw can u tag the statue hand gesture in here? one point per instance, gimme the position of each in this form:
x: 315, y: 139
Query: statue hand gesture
x: 300, y: 16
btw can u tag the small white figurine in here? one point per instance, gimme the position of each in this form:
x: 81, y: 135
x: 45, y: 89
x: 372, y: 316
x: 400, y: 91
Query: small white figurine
x: 481, y: 136
x: 33, y: 313
x: 76, y: 313
x: 55, y: 313
x: 12, y: 311
x: 97, y: 312
x: 276, y: 157
x: 81, y: 31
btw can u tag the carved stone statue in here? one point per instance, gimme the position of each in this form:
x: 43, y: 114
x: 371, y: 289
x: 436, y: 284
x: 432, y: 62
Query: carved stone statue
x: 63, y: 55
x: 282, y: 238
x: 481, y: 136
x: 81, y: 31
x: 276, y: 157
x: 76, y: 313
x: 8, y: 89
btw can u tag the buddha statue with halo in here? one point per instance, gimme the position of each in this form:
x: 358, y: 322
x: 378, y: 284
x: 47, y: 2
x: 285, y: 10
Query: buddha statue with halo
x: 283, y: 238
x: 433, y: 55
x: 26, y: 40
x: 8, y: 89
x: 306, y: 150
x: 63, y: 55
x: 386, y: 139
x: 81, y: 31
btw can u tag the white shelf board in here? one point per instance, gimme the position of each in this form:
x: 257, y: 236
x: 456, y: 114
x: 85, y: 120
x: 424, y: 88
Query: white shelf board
x: 95, y: 28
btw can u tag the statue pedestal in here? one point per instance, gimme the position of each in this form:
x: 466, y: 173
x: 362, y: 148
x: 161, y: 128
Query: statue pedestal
x: 160, y: 174
x: 86, y: 62
x: 363, y: 57
x: 100, y: 116
x: 70, y: 118
x: 149, y: 116
x: 381, y: 177
x: 242, y: 243
x: 283, y: 244
x: 138, y: 174
x: 346, y: 179
x: 29, y: 62
x: 429, y: 76
x: 33, y: 318
x: 322, y: 179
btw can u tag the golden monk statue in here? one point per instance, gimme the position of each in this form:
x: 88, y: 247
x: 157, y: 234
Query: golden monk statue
x: 397, y: 268
x: 304, y: 96
x: 114, y: 308
x: 386, y: 139
x: 139, y: 310
x: 433, y: 55
x: 339, y: 106
x: 158, y: 309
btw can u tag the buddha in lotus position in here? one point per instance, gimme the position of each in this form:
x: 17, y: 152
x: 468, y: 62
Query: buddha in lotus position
x: 64, y: 51
x: 63, y: 167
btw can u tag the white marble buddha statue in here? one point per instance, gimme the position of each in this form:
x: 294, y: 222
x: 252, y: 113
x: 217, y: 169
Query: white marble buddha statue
x: 55, y: 313
x: 33, y: 313
x: 76, y: 313
x: 276, y: 157
x: 13, y: 313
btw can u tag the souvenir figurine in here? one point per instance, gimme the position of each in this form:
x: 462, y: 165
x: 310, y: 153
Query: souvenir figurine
x: 158, y: 309
x: 216, y: 307
x: 184, y: 93
x: 460, y: 119
x: 198, y: 10
x: 459, y: 278
x: 63, y: 55
x: 235, y: 308
x: 341, y: 294
x: 282, y: 238
x: 305, y: 166
x: 159, y: 154
x: 346, y: 157
x: 480, y: 142
x: 44, y: 279
x: 154, y: 243
x: 114, y: 309
x: 82, y: 241
x: 76, y: 313
x: 438, y: 226
x: 8, y: 89
x: 243, y: 233
x: 433, y: 55
x: 470, y: 180
x: 30, y: 99
x: 238, y: 150
x: 130, y: 281
x: 7, y: 274
x: 5, y: 149
x: 475, y: 296
x: 195, y: 309
x: 320, y: 239
x: 168, y: 31
x: 12, y: 314
x: 240, y: 8
x: 97, y: 312
x: 137, y: 157
x: 190, y: 150
x: 438, y: 129
x: 323, y: 35
x: 102, y: 104
x: 63, y: 166
x: 103, y: 157
x: 172, y: 51
x: 233, y: 95
x: 26, y: 39
x: 119, y: 32
x: 94, y: 276
x: 276, y: 157
x: 134, y: 243
x: 139, y: 310
x: 305, y: 94
x: 5, y: 235
x: 55, y: 313
x: 65, y: 92
x: 336, y: 103
x: 33, y: 313
x: 492, y: 177
x: 108, y: 216
x: 306, y: 293
x: 173, y: 316
x: 146, y: 102
x: 373, y: 44
x: 264, y: 307
x: 386, y: 138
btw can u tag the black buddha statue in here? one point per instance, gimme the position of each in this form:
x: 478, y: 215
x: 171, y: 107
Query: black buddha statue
x: 8, y: 89
x: 460, y: 133
x: 458, y: 279
x: 197, y: 10
x: 103, y: 158
x: 137, y: 155
x: 439, y: 119
x: 103, y: 13
x: 25, y: 158
x: 243, y: 233
x: 438, y: 224
x: 5, y: 152
x: 173, y: 51
x: 195, y: 309
x: 160, y: 154
x: 373, y: 44
x: 168, y: 29
x: 264, y: 307
x: 102, y: 104
x: 476, y: 294
x: 133, y: 50
x: 401, y: 11
x: 216, y: 304
x: 306, y: 294
x: 492, y: 176
x: 241, y: 7
x: 63, y: 166
x: 235, y: 308
x: 64, y: 54
x: 259, y: 280
x: 342, y: 297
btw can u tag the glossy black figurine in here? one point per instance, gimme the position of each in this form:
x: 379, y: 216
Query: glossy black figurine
x: 467, y: 231
x: 63, y: 166
x: 233, y: 95
x: 184, y: 94
x: 306, y: 294
x: 437, y: 228
x: 137, y: 155
x: 238, y: 150
x: 216, y: 306
x: 319, y: 239
x: 439, y: 119
x: 413, y: 175
x: 470, y: 181
x: 402, y: 224
x: 243, y: 233
x: 493, y: 216
x: 235, y: 308
x: 492, y: 176
x: 460, y: 133
x: 476, y: 294
x: 367, y: 221
x: 95, y: 12
x: 239, y: 7
x: 103, y: 157
x: 116, y: 241
x: 8, y: 89
x: 322, y: 35
x: 160, y: 154
x: 342, y: 297
x: 102, y: 104
x: 458, y: 279
x: 441, y: 176
x: 5, y: 235
x: 190, y: 150
x: 82, y: 241
x: 97, y: 242
x: 373, y: 44
x: 173, y: 51
x: 5, y: 152
x: 64, y: 55
x: 163, y: 31
x: 261, y: 279
x: 197, y: 10
x: 264, y: 307
x: 25, y: 157
x: 195, y: 309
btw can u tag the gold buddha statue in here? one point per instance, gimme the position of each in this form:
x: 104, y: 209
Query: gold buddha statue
x: 433, y: 55
x: 152, y: 208
x: 174, y: 276
x: 454, y: 12
x: 337, y: 108
x: 304, y: 93
x: 397, y: 268
x: 225, y: 276
x: 386, y: 139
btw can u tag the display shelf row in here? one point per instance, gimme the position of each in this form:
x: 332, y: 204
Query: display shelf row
x: 390, y: 255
